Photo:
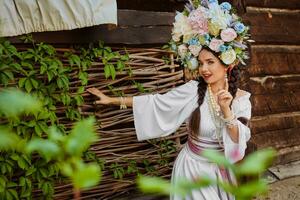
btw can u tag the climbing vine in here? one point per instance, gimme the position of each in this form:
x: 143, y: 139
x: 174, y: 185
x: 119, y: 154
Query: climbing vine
x: 41, y: 71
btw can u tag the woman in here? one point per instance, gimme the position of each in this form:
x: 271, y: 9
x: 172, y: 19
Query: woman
x: 212, y: 105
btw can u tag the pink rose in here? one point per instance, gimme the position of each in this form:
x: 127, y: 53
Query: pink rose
x: 228, y: 35
x: 215, y: 44
x: 198, y: 21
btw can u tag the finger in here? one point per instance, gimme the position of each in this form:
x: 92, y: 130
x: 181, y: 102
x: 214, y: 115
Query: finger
x: 221, y: 92
x: 97, y: 102
x: 91, y: 90
x: 226, y: 84
x: 225, y: 97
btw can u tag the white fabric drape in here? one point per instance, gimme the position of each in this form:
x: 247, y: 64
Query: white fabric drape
x: 25, y: 16
x: 160, y: 115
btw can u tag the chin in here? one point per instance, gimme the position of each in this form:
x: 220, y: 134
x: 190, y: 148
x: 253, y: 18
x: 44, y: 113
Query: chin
x: 209, y: 81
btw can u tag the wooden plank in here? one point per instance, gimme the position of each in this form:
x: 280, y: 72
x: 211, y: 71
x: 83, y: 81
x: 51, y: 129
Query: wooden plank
x: 145, y: 18
x: 277, y: 139
x: 125, y: 35
x: 274, y: 84
x: 269, y: 27
x: 134, y: 27
x: 264, y: 104
x: 143, y: 27
x: 275, y: 122
x: 274, y: 60
x: 165, y: 5
x: 291, y: 4
x: 287, y: 154
x: 286, y: 170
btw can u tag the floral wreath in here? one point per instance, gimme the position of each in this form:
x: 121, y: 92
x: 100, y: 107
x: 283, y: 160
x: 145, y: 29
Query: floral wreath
x: 208, y: 24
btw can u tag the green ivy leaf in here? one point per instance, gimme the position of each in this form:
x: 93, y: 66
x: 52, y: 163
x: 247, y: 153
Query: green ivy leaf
x: 112, y: 71
x: 9, y: 74
x: 83, y: 76
x: 28, y: 85
x: 22, y: 82
x: 34, y: 83
x: 120, y: 65
x: 107, y: 71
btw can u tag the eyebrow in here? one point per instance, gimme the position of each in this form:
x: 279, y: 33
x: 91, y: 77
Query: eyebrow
x: 208, y: 59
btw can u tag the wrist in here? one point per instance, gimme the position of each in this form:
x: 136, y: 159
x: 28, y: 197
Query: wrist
x: 227, y: 112
x: 114, y: 100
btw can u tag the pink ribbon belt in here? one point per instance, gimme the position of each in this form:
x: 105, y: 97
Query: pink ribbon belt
x: 199, y: 144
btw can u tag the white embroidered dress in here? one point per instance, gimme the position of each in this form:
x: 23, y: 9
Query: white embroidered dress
x: 160, y: 115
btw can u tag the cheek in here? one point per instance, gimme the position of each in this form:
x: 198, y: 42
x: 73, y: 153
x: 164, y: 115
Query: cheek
x: 217, y: 69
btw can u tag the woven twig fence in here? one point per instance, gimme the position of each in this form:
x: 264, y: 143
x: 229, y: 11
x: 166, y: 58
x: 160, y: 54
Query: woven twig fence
x: 155, y: 70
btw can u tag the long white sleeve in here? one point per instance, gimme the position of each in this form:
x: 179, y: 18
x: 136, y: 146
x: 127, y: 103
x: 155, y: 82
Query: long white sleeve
x: 236, y: 151
x: 161, y: 114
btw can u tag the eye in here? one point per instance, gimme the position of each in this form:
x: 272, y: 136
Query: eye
x: 210, y: 62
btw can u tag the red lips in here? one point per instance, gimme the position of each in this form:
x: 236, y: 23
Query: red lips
x: 206, y: 76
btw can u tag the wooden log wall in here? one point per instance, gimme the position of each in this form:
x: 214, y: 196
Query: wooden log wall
x: 273, y: 76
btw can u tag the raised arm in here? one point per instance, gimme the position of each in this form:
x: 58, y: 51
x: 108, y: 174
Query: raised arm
x: 106, y: 100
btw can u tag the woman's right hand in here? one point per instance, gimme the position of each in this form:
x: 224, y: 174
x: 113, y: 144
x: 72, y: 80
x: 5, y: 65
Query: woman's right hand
x: 103, y: 98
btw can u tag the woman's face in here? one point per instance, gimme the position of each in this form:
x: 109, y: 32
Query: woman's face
x: 210, y: 67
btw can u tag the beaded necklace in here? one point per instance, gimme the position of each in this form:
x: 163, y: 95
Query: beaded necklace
x: 215, y: 113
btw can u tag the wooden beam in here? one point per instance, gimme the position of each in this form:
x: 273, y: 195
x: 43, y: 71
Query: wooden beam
x: 268, y: 27
x: 153, y: 5
x: 264, y: 104
x: 287, y: 154
x: 291, y: 4
x: 280, y: 121
x: 278, y: 139
x: 274, y: 60
x: 134, y: 27
x: 274, y: 84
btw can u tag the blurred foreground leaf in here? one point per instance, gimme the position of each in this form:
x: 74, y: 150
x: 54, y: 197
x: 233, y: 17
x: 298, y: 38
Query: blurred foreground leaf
x: 81, y: 137
x: 87, y: 175
x: 47, y: 149
x: 256, y: 162
x: 153, y: 185
x: 8, y: 139
x: 14, y: 102
x: 217, y: 158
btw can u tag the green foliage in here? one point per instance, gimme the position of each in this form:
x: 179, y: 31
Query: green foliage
x: 81, y: 137
x: 254, y: 164
x: 65, y: 149
x: 13, y: 102
x: 40, y: 71
x: 118, y: 170
x: 153, y: 185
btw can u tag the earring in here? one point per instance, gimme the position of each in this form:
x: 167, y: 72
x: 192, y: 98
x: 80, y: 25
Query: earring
x: 226, y: 76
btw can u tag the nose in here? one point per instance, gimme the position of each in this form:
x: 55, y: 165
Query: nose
x: 203, y: 68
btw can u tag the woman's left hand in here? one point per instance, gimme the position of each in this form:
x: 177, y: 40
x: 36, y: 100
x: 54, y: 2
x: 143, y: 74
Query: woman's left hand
x: 224, y: 98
